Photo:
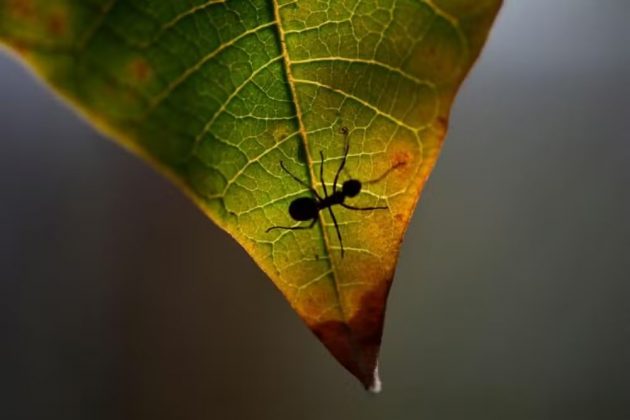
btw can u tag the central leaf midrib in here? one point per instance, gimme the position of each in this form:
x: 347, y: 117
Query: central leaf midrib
x: 303, y: 135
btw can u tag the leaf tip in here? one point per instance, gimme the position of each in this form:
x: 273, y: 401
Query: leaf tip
x: 376, y: 386
x: 355, y: 342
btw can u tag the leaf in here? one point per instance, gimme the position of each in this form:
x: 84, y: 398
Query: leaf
x: 217, y: 93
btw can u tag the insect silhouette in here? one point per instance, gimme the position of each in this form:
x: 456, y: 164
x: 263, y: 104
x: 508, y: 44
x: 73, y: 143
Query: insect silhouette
x: 307, y: 208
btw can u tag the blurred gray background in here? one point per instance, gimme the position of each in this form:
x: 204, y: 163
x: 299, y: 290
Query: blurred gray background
x: 119, y: 300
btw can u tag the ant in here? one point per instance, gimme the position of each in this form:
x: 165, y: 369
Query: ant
x: 307, y: 208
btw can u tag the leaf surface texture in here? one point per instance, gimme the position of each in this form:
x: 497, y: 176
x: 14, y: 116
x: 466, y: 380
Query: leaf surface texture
x: 217, y: 93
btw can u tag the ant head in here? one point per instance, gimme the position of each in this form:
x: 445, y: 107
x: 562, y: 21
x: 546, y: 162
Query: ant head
x: 351, y: 188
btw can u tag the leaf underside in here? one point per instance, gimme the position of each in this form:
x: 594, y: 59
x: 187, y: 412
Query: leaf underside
x: 217, y: 93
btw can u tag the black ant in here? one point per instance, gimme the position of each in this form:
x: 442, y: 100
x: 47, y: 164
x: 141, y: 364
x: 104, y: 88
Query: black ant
x: 307, y: 208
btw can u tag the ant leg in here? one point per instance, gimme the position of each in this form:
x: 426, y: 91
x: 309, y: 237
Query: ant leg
x: 364, y: 208
x: 304, y: 184
x: 321, y: 174
x: 343, y: 163
x: 332, y: 214
x: 292, y: 227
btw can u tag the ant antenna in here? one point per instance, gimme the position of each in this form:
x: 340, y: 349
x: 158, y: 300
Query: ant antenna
x: 292, y: 227
x: 384, y: 174
x: 346, y: 133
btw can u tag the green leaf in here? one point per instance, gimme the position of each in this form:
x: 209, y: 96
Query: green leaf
x: 216, y: 94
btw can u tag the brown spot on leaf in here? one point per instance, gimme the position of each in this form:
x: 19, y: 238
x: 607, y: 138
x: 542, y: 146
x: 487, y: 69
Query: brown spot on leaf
x: 140, y: 70
x: 356, y: 343
x: 22, y: 9
x: 441, y: 125
x: 442, y: 121
x: 400, y: 158
x: 280, y: 132
x: 19, y: 46
x: 57, y: 23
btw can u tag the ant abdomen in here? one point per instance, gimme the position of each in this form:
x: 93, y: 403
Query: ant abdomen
x: 303, y: 208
